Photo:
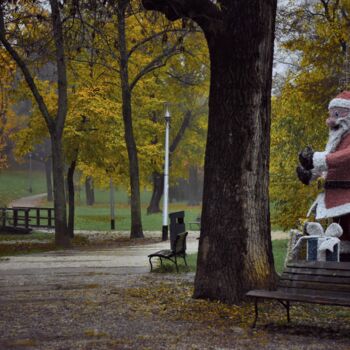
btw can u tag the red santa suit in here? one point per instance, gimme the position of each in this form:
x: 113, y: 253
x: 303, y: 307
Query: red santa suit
x: 334, y: 165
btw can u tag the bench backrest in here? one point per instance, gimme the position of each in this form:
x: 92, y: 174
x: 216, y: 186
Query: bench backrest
x: 180, y: 243
x: 320, y: 277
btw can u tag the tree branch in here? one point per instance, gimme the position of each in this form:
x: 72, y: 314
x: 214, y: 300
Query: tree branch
x: 26, y: 73
x: 184, y: 125
x: 155, y: 64
x: 154, y: 36
x: 204, y: 12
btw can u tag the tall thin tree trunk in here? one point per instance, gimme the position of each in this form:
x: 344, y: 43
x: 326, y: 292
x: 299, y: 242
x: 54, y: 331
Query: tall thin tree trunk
x: 136, y: 223
x: 62, y: 237
x: 89, y: 191
x: 71, y: 195
x: 48, y: 173
x: 157, y: 192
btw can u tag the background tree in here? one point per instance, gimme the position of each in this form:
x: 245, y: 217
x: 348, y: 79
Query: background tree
x: 7, y: 75
x: 17, y: 24
x: 184, y: 85
x: 235, y: 245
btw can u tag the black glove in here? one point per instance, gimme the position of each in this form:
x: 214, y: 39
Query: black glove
x: 305, y: 158
x: 304, y: 175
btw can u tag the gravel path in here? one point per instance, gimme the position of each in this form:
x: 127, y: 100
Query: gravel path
x: 29, y: 201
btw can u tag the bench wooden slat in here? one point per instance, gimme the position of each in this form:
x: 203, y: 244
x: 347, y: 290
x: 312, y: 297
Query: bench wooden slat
x: 177, y: 250
x: 315, y: 278
x: 314, y: 282
x: 315, y: 285
x: 319, y: 272
x: 339, y: 300
x: 326, y: 265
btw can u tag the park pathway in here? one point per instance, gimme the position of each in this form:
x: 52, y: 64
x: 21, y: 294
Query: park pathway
x: 120, y: 257
x: 29, y: 201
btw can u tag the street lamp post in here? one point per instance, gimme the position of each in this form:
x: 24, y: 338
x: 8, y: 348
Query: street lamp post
x: 166, y: 178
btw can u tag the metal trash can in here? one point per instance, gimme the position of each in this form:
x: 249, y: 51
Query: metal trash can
x: 177, y: 225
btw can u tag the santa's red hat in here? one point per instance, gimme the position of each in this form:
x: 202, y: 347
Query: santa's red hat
x: 342, y: 100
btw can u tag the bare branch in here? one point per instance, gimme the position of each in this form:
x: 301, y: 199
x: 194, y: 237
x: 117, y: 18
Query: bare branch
x: 152, y: 37
x: 204, y: 12
x: 26, y: 73
x: 158, y: 62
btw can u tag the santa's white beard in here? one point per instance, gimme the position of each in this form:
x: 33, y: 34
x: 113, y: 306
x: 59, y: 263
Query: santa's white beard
x: 335, y: 136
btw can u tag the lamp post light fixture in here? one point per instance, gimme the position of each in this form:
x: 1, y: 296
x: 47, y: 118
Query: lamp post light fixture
x: 166, y: 177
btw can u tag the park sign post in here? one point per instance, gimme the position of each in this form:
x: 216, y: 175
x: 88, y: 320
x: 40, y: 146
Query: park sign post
x: 166, y: 177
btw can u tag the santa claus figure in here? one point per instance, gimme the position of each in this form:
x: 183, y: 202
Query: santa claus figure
x: 333, y: 164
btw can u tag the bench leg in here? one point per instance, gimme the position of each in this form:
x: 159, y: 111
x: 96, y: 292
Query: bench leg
x: 287, y: 307
x: 256, y: 312
x: 150, y: 262
x: 185, y: 260
x: 177, y: 268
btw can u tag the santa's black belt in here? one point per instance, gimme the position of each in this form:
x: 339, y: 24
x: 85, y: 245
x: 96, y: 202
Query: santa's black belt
x: 336, y: 184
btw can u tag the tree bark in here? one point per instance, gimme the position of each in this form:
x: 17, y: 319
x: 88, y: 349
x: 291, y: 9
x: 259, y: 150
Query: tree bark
x: 89, y: 191
x: 235, y: 251
x: 157, y: 193
x: 62, y: 237
x: 136, y: 223
x: 48, y: 173
x: 71, y: 197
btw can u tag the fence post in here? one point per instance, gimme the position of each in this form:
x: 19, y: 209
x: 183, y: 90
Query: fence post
x: 49, y: 217
x: 38, y: 217
x: 3, y: 217
x: 26, y: 218
x: 15, y: 217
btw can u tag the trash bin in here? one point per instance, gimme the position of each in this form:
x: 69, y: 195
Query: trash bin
x: 177, y: 225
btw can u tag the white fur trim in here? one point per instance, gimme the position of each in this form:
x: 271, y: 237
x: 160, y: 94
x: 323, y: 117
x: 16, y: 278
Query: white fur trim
x: 314, y: 229
x: 334, y: 230
x: 339, y: 102
x: 323, y: 213
x: 319, y: 160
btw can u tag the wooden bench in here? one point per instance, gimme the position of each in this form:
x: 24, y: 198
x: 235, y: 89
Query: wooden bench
x: 179, y: 250
x: 316, y: 282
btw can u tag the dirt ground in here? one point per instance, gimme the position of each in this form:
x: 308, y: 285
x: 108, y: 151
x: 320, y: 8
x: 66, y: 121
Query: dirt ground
x: 130, y: 308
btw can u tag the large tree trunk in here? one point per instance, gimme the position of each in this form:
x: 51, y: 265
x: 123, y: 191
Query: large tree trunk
x: 62, y: 237
x: 48, y: 173
x: 158, y: 185
x: 136, y: 223
x: 235, y: 252
x: 235, y: 244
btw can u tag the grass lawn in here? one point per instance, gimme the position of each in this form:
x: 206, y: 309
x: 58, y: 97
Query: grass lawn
x: 279, y: 248
x: 98, y: 217
x: 15, y: 184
